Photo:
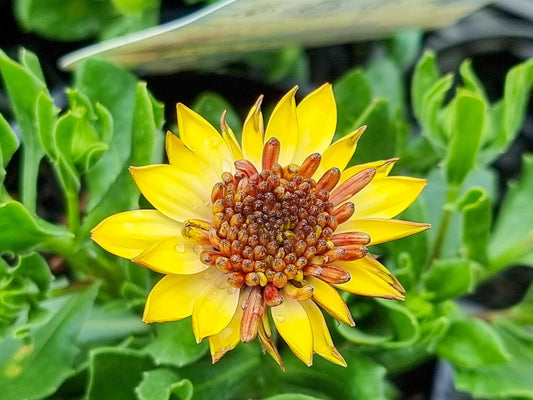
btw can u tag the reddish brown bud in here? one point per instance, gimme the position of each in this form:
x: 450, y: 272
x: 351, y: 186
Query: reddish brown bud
x: 347, y: 238
x: 246, y: 166
x: 271, y: 153
x: 352, y: 185
x: 253, y: 309
x: 328, y: 273
x: 310, y: 165
x: 343, y: 212
x: 272, y: 296
x: 329, y: 180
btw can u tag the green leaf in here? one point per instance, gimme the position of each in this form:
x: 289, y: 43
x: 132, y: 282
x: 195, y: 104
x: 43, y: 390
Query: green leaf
x: 472, y: 343
x: 404, y: 46
x: 507, y: 380
x: 21, y: 287
x: 477, y: 220
x: 24, y: 87
x: 466, y: 134
x: 362, y: 379
x: 353, y: 95
x: 211, y: 105
x: 236, y: 376
x: 111, y: 322
x: 20, y: 231
x: 512, y: 238
x: 292, y: 396
x: 386, y: 80
x: 289, y: 63
x: 380, y: 128
x: 471, y: 81
x: 425, y: 76
x: 164, y: 384
x: 53, y: 20
x: 174, y: 344
x: 449, y: 278
x: 389, y: 324
x: 53, y: 344
x: 9, y: 142
x: 115, y: 372
x: 146, y: 141
x: 113, y: 87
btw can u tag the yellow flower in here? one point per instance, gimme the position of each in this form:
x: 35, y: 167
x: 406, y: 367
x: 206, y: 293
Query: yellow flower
x: 263, y: 231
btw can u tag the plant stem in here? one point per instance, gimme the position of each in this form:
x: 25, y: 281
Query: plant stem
x: 448, y: 210
x: 28, y: 177
x: 73, y: 210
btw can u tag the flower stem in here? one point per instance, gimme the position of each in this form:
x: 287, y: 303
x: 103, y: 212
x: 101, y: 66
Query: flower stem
x: 448, y: 210
x: 73, y: 210
x: 28, y: 178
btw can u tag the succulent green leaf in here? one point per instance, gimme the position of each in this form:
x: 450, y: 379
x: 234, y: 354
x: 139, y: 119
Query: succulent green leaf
x: 115, y: 372
x: 449, y: 278
x: 512, y: 238
x: 465, y: 138
x: 472, y: 343
x: 353, y: 95
x: 53, y: 343
x: 174, y: 344
x: 114, y: 88
x: 477, y: 220
x: 164, y: 384
x: 21, y: 231
x: 9, y: 142
x: 389, y: 324
x: 507, y: 380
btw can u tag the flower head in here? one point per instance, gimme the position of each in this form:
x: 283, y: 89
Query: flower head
x: 263, y: 231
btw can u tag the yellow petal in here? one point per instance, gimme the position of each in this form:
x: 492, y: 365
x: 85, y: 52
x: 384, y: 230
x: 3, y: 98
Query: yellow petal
x: 129, y: 233
x: 176, y: 193
x: 382, y: 167
x: 174, y: 255
x: 214, y: 308
x: 228, y: 338
x: 252, y: 135
x: 383, y: 230
x: 370, y: 278
x: 183, y: 158
x: 200, y: 136
x: 229, y: 138
x: 339, y: 153
x: 173, y: 297
x: 267, y: 342
x: 387, y: 197
x: 317, y: 120
x: 293, y: 325
x: 328, y: 297
x: 283, y: 125
x: 322, y: 343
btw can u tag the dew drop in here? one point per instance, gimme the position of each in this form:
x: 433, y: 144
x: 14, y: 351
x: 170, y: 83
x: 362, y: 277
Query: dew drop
x: 194, y: 206
x: 197, y: 249
x: 280, y: 318
x: 222, y: 284
x: 211, y: 142
x: 231, y: 290
x: 180, y: 248
x: 206, y: 276
x: 212, y: 296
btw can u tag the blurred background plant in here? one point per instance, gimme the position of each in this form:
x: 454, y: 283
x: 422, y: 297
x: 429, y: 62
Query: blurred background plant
x: 70, y: 313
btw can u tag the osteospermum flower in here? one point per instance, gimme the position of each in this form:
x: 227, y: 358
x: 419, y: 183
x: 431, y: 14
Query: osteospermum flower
x: 267, y: 230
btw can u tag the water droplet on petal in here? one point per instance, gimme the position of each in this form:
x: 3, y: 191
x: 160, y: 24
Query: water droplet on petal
x: 280, y: 318
x: 232, y: 290
x: 180, y: 248
x: 206, y: 276
x: 222, y: 284
x: 197, y: 249
x: 211, y: 142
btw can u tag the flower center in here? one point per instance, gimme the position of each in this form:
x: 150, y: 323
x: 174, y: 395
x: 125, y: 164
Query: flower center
x: 272, y: 228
